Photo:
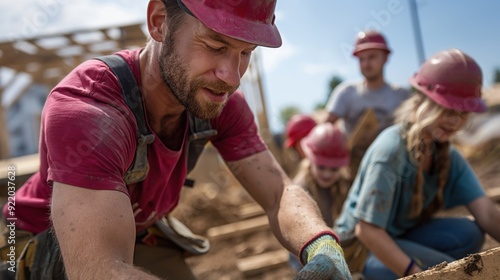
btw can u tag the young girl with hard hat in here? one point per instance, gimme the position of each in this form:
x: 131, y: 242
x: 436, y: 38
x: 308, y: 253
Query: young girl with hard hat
x: 322, y: 172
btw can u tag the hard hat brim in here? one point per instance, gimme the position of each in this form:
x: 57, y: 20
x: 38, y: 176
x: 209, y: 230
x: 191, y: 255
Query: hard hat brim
x: 331, y: 162
x: 290, y: 143
x: 370, y: 46
x: 258, y: 33
x: 451, y: 102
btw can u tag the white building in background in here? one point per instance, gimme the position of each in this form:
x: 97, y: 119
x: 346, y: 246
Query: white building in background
x: 23, y: 121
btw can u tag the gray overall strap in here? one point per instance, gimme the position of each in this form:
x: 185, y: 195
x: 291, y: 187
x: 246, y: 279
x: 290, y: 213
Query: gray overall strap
x: 200, y: 132
x: 139, y: 168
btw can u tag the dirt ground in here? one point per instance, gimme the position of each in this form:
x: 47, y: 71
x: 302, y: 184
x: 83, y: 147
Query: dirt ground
x: 215, y: 199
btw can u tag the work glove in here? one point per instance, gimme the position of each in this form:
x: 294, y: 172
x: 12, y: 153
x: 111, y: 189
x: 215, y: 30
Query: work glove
x: 324, y: 259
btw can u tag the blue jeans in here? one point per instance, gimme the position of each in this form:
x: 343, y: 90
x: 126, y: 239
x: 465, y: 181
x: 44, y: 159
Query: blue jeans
x: 436, y: 241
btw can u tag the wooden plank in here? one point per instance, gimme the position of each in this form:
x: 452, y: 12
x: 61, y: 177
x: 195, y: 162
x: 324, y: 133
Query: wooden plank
x: 476, y: 266
x: 263, y: 262
x: 365, y: 131
x: 250, y: 210
x: 494, y: 194
x: 20, y: 92
x: 492, y: 95
x: 362, y: 136
x: 238, y: 228
x: 25, y: 167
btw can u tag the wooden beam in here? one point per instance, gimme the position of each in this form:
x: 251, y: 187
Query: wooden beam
x: 263, y: 262
x: 11, y: 55
x: 250, y: 210
x: 17, y: 59
x: 476, y: 266
x: 492, y: 95
x: 25, y: 167
x: 494, y: 194
x: 20, y: 92
x: 365, y: 130
x: 4, y: 84
x: 238, y: 228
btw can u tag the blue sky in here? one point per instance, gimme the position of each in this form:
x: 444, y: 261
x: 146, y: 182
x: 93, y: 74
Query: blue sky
x: 318, y: 36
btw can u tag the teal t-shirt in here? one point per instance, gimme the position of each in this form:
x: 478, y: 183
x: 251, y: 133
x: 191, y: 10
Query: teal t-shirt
x: 382, y: 191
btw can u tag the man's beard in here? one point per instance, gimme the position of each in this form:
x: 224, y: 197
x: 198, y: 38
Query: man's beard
x: 371, y: 75
x: 175, y: 75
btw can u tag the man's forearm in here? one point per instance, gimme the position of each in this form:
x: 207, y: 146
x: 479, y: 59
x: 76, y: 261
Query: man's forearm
x: 130, y: 272
x: 117, y: 270
x: 299, y: 219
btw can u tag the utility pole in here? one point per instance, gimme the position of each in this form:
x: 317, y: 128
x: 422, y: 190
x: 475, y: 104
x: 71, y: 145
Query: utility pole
x: 417, y: 32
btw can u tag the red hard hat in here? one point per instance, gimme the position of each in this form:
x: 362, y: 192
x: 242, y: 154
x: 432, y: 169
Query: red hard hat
x: 370, y: 40
x: 297, y: 128
x: 453, y: 80
x: 326, y: 145
x: 249, y: 21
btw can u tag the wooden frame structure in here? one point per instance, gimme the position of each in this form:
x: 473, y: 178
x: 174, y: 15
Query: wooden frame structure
x: 47, y: 59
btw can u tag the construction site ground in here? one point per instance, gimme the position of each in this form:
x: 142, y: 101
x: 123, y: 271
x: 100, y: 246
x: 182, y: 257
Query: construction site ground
x: 242, y: 246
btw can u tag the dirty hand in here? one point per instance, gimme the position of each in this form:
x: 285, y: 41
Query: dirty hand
x: 324, y: 260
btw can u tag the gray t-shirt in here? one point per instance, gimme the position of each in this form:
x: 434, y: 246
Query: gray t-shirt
x: 349, y: 101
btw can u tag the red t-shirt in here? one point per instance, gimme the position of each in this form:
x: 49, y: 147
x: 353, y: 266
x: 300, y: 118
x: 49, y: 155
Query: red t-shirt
x: 88, y: 139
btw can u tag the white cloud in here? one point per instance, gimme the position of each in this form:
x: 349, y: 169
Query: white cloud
x: 324, y: 64
x: 318, y: 68
x: 273, y: 57
x: 280, y: 17
x: 108, y: 13
x: 36, y: 17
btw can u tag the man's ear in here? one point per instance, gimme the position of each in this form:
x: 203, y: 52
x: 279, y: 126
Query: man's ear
x: 156, y: 19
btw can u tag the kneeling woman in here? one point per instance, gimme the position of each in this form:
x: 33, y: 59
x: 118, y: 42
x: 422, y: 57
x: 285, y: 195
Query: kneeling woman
x: 411, y: 171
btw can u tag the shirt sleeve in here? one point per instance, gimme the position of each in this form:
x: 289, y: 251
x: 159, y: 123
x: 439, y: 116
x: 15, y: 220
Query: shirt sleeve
x: 338, y: 102
x: 406, y: 93
x: 89, y: 143
x: 463, y: 185
x: 376, y: 195
x: 237, y: 136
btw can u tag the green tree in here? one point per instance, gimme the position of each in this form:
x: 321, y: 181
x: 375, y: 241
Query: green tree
x: 496, y: 76
x: 332, y: 84
x: 287, y: 113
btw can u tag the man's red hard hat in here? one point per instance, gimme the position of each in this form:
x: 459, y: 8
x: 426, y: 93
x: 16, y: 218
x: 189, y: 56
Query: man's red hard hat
x: 370, y: 40
x: 453, y: 80
x: 297, y: 128
x: 326, y: 145
x: 245, y: 20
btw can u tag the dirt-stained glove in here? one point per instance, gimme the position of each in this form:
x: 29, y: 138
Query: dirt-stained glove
x: 324, y: 259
